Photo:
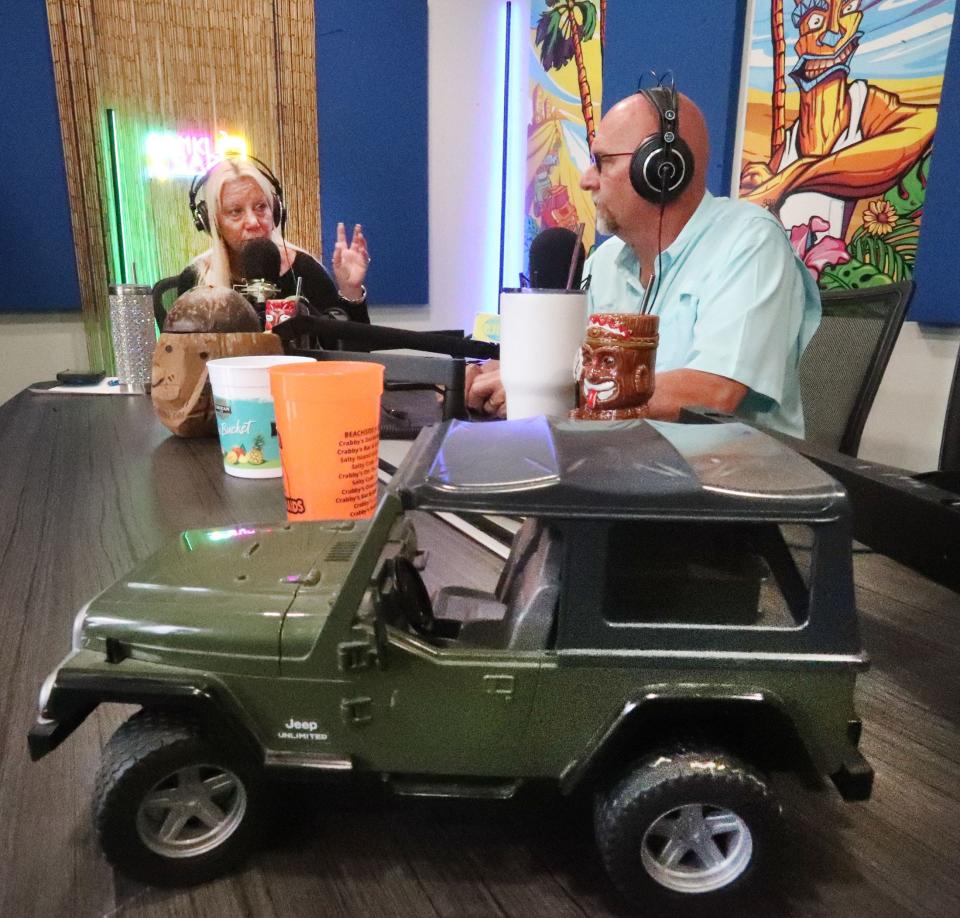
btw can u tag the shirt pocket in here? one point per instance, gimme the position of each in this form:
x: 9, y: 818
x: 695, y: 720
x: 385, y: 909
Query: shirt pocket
x: 677, y: 323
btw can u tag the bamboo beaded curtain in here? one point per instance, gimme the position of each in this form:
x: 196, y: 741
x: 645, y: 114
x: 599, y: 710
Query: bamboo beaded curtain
x: 134, y: 74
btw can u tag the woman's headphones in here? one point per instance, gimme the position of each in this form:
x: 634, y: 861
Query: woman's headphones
x: 198, y: 209
x: 662, y: 166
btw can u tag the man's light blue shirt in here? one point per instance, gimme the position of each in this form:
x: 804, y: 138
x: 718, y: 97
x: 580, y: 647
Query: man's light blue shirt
x: 733, y: 300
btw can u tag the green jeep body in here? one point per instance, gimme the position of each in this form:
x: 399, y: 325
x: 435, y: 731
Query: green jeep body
x: 650, y: 597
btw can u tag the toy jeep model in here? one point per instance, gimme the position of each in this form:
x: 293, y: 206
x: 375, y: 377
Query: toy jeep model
x: 656, y: 637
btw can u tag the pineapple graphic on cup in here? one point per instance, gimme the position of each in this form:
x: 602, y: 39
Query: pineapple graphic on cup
x: 255, y: 456
x: 239, y: 455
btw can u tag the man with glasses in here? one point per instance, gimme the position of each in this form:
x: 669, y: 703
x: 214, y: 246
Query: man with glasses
x: 736, y: 305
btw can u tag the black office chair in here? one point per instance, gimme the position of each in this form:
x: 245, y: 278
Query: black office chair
x: 947, y: 474
x: 950, y: 444
x: 841, y: 369
x: 162, y: 297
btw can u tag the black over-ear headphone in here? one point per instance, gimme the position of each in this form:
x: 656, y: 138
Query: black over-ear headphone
x: 198, y: 209
x: 662, y: 166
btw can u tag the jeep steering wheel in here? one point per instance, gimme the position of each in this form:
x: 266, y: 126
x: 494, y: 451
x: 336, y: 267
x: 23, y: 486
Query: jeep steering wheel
x: 409, y: 594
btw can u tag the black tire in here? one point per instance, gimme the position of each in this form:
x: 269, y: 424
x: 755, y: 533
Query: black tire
x: 216, y: 795
x: 685, y: 827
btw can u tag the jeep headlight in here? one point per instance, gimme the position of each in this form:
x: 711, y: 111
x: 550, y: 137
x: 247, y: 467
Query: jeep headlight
x: 78, y: 621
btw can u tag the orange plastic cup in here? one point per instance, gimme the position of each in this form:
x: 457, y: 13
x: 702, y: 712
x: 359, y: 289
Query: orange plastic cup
x: 328, y: 422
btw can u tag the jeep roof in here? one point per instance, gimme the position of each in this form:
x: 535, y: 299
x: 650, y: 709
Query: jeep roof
x: 614, y: 469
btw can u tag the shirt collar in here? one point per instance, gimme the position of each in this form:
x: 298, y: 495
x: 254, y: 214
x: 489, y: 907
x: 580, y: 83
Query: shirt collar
x: 692, y: 229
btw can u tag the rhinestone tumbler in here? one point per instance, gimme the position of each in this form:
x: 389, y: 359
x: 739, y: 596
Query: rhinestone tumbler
x: 133, y: 332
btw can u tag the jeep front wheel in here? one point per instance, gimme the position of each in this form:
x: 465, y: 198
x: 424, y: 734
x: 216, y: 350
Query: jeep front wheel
x: 173, y: 805
x: 684, y: 824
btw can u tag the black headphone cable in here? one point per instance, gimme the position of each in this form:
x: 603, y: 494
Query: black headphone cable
x: 647, y: 306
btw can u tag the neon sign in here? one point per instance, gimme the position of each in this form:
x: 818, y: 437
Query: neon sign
x: 171, y: 155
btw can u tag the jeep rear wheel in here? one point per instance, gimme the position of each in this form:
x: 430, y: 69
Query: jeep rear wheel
x: 174, y: 805
x: 684, y: 825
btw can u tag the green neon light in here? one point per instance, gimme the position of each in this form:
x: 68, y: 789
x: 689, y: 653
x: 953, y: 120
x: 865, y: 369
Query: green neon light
x: 118, y: 202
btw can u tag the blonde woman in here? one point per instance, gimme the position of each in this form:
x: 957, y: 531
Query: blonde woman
x: 239, y: 200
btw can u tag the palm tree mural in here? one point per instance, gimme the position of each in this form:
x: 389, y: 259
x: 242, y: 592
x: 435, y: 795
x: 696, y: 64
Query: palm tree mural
x: 561, y: 31
x: 779, y: 101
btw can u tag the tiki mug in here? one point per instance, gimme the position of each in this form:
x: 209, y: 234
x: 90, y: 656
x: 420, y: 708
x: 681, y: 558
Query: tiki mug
x: 615, y: 369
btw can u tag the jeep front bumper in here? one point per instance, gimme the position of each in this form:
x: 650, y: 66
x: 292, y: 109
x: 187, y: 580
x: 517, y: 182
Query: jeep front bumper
x: 854, y: 777
x: 47, y: 733
x: 59, y: 714
x: 79, y: 684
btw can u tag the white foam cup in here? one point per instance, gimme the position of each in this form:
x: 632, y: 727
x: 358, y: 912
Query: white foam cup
x: 245, y: 417
x: 540, y: 334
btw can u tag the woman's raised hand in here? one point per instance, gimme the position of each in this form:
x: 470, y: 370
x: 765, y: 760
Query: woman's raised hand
x: 350, y: 262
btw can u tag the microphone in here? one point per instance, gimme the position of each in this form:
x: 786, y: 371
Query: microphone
x: 550, y: 255
x: 382, y: 337
x: 260, y: 259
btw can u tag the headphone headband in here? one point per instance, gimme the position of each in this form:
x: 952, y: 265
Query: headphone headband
x: 200, y: 213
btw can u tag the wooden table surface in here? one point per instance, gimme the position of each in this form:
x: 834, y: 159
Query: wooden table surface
x: 91, y: 485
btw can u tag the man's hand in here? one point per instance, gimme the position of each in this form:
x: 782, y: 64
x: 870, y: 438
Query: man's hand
x: 350, y: 262
x: 483, y: 389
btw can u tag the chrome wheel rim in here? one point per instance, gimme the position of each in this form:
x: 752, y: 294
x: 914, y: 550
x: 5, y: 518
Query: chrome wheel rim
x: 696, y: 848
x: 191, y: 811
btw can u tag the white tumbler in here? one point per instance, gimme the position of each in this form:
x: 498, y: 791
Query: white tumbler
x: 541, y: 332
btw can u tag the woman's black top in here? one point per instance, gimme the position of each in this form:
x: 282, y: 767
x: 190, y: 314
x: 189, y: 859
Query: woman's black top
x: 318, y: 288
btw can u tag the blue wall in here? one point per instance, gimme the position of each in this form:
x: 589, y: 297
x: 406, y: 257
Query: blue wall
x: 37, y: 261
x: 937, y: 297
x: 372, y: 110
x: 701, y: 43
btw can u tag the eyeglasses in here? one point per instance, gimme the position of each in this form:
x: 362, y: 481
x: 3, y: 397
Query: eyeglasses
x: 597, y: 158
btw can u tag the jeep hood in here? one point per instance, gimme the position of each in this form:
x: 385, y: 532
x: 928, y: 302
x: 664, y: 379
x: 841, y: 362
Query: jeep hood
x: 219, y: 593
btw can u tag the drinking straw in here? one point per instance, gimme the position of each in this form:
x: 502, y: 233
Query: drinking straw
x: 574, y: 254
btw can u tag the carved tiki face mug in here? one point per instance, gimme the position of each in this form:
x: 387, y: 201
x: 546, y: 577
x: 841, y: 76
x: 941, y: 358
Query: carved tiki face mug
x: 615, y: 368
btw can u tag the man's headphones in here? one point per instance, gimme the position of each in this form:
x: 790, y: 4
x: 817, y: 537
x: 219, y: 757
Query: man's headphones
x: 662, y: 166
x: 198, y: 209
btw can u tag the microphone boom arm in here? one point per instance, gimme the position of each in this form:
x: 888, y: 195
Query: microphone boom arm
x: 421, y: 370
x: 382, y: 337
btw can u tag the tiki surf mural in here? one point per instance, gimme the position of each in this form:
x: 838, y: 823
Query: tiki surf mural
x: 841, y: 109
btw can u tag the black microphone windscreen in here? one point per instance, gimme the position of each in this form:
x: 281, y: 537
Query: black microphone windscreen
x: 260, y: 259
x: 550, y: 254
